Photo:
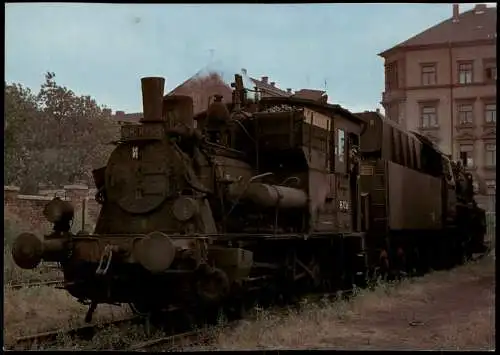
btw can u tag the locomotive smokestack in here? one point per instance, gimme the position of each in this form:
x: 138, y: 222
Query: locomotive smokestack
x: 152, y: 98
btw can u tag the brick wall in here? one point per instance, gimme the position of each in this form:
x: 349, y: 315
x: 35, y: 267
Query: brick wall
x: 26, y: 211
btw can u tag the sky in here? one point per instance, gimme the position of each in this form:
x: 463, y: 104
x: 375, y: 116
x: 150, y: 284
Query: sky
x: 103, y: 50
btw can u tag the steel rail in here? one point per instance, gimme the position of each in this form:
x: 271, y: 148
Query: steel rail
x: 85, y: 331
x: 20, y: 285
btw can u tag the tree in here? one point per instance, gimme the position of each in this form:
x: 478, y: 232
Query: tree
x: 20, y: 117
x: 56, y: 137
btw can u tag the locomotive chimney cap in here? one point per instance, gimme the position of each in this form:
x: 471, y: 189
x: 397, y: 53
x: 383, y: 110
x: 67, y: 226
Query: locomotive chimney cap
x: 152, y: 77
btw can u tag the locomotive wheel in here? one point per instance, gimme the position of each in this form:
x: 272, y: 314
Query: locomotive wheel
x: 140, y: 308
x: 212, y: 285
x: 414, y: 263
x: 381, y: 271
x: 401, y: 263
x: 188, y: 320
x: 236, y: 310
x: 236, y: 307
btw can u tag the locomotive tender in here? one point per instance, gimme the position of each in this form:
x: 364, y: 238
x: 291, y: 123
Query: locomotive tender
x: 276, y: 194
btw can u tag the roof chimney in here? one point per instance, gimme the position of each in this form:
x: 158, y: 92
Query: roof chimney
x: 273, y: 83
x: 456, y: 12
x: 120, y: 113
x: 264, y: 79
x: 244, y: 71
x: 479, y: 9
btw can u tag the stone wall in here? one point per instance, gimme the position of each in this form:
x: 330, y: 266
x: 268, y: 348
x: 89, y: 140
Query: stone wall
x: 26, y: 211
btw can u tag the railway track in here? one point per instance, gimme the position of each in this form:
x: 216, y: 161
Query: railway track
x: 85, y: 332
x: 171, y: 342
x: 52, y: 283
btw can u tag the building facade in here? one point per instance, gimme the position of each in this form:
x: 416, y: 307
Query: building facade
x: 442, y: 83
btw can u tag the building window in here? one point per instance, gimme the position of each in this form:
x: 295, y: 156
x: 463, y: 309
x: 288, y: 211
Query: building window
x: 391, y: 76
x: 465, y: 73
x: 467, y: 155
x: 491, y: 153
x: 491, y: 184
x: 341, y: 144
x: 490, y: 113
x: 465, y: 114
x: 429, y: 76
x: 490, y: 70
x: 428, y: 116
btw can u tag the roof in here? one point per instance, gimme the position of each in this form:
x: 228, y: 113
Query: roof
x: 471, y: 27
x: 310, y: 94
x: 314, y: 105
x: 270, y: 88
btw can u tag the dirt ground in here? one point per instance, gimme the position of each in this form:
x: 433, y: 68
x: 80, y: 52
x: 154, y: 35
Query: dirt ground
x: 444, y: 310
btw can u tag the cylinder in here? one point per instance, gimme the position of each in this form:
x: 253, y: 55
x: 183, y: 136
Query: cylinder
x: 152, y: 98
x: 178, y: 109
x: 275, y: 196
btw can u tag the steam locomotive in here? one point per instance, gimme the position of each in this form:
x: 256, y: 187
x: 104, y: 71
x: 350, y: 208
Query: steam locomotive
x: 271, y: 195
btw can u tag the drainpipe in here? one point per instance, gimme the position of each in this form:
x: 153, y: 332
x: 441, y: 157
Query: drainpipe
x: 452, y: 114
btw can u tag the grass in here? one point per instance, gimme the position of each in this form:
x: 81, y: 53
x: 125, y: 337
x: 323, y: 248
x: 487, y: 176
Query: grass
x: 39, y: 309
x: 409, y: 315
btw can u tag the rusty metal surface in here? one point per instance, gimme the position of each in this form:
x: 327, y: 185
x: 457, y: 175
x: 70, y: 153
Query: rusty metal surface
x: 414, y: 199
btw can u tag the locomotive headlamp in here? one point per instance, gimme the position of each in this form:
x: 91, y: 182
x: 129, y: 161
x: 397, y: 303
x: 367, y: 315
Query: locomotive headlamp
x: 58, y: 211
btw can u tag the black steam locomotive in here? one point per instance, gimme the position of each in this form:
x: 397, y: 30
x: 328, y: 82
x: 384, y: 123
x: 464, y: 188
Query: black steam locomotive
x: 271, y: 196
